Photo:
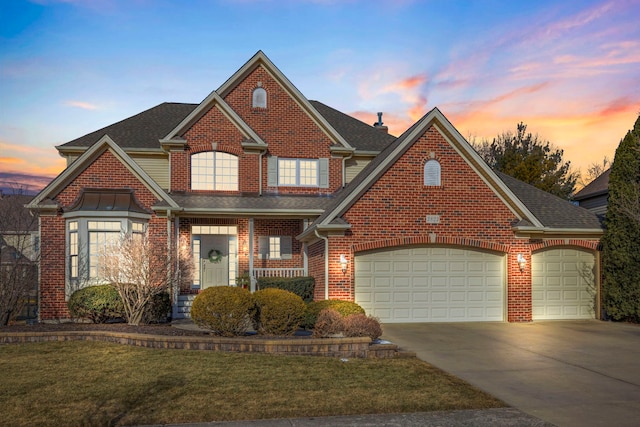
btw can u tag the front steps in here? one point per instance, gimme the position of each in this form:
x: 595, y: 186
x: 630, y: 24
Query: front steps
x: 182, y: 310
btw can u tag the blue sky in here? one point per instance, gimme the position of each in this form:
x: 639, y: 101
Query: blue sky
x: 570, y: 70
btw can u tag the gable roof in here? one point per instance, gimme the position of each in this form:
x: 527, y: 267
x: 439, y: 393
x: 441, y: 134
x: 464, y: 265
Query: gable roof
x: 597, y: 187
x: 212, y: 100
x: 43, y: 199
x: 141, y: 131
x: 360, y: 135
x: 330, y: 219
x: 552, y: 211
x: 261, y: 60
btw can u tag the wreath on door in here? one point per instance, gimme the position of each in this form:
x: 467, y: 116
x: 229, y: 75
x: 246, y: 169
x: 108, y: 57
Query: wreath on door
x: 215, y: 256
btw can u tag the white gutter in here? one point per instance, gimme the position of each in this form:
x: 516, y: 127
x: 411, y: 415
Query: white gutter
x: 326, y: 263
x: 344, y: 169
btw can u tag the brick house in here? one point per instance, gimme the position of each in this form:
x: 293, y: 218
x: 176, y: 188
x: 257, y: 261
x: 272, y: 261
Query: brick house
x: 414, y: 228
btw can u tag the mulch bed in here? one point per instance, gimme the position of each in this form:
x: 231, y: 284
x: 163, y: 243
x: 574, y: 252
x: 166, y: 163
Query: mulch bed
x: 153, y: 329
x: 160, y: 329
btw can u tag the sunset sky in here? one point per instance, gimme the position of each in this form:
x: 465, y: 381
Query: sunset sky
x: 570, y: 70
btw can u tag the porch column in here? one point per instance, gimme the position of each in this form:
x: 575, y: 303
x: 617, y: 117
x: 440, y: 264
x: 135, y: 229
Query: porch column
x: 251, y: 275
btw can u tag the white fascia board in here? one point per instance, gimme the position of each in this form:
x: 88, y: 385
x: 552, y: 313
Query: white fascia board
x: 478, y: 162
x: 105, y: 143
x: 261, y: 59
x: 550, y: 230
x: 251, y: 212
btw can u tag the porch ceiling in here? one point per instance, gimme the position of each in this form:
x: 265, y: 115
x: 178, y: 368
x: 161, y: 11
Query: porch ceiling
x: 231, y: 205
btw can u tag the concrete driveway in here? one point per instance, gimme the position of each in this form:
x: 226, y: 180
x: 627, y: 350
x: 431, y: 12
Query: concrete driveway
x: 569, y: 373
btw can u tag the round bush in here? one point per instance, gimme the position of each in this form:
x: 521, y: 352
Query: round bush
x: 314, y: 308
x: 96, y: 303
x: 224, y: 310
x: 360, y: 325
x: 329, y: 323
x: 158, y: 309
x: 279, y: 312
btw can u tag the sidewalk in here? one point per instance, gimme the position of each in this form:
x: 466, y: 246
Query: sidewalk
x: 498, y: 417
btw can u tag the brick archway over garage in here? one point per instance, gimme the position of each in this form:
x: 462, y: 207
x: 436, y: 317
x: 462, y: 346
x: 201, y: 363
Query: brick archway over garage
x: 429, y: 240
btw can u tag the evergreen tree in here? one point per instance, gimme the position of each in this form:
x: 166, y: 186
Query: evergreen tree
x: 530, y: 159
x: 621, y: 240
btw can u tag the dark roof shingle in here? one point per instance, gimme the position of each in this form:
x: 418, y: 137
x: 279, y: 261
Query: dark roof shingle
x: 144, y: 130
x: 551, y: 211
x: 359, y: 134
x: 598, y: 186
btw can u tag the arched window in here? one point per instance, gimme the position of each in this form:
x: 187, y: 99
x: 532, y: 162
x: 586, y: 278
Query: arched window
x: 432, y: 173
x: 259, y: 98
x: 214, y: 170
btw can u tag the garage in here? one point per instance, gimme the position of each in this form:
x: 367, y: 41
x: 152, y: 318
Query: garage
x: 431, y: 284
x: 562, y: 284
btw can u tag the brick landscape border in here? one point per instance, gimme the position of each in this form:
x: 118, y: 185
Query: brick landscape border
x: 331, y: 347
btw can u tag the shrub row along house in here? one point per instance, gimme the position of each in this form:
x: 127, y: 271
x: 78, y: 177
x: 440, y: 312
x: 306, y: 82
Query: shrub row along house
x: 258, y: 178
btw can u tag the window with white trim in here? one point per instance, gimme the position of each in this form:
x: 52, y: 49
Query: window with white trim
x: 432, y: 173
x: 275, y: 247
x: 215, y: 171
x: 87, y: 241
x: 298, y: 172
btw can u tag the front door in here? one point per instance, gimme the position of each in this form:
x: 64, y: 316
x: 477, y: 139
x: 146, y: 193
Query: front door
x: 214, y: 271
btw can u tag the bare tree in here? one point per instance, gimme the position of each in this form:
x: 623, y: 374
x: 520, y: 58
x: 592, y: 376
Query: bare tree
x: 19, y: 254
x: 140, y: 269
x: 594, y: 170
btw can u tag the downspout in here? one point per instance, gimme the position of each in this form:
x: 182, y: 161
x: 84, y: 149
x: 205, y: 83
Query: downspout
x: 326, y: 263
x: 344, y: 169
x: 262, y: 153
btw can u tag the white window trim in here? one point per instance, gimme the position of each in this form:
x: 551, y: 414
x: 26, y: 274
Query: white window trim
x: 285, y: 244
x: 217, y: 183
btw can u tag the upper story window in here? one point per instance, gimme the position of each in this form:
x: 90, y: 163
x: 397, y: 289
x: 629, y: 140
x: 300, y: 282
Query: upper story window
x: 214, y: 170
x: 432, y: 173
x: 298, y: 172
x: 259, y: 98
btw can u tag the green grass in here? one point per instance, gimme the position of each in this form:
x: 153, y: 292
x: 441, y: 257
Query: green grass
x: 93, y: 383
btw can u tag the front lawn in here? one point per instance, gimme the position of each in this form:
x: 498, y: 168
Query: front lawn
x: 93, y: 383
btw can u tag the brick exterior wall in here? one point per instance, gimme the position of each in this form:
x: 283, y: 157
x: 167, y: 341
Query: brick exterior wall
x: 105, y: 172
x: 393, y: 213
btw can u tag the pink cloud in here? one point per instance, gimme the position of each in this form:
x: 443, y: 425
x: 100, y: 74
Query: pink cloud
x: 82, y: 105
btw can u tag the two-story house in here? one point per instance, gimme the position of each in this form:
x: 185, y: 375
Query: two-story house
x: 264, y: 181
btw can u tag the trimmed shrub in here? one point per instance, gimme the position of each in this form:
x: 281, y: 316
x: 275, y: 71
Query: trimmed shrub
x: 301, y: 286
x: 158, y: 309
x: 314, y: 308
x: 329, y: 323
x: 361, y: 325
x: 279, y: 312
x: 224, y: 310
x: 96, y: 303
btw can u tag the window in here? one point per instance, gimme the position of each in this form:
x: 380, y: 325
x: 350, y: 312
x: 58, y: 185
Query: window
x: 275, y: 247
x: 214, y: 170
x: 73, y: 249
x: 102, y: 236
x: 432, y: 173
x: 298, y: 172
x: 87, y: 240
x: 259, y: 99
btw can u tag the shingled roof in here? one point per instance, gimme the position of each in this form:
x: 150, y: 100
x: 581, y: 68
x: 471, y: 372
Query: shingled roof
x: 145, y: 129
x: 551, y: 211
x: 142, y: 131
x: 359, y: 134
x: 598, y: 186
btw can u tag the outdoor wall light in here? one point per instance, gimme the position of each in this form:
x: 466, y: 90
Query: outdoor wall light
x: 343, y: 263
x: 522, y: 262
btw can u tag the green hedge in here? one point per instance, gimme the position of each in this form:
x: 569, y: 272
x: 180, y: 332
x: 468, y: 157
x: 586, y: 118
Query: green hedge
x: 301, y: 286
x: 158, y: 309
x: 224, y: 310
x: 279, y: 312
x: 96, y: 303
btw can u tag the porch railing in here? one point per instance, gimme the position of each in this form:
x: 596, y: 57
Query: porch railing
x: 278, y: 272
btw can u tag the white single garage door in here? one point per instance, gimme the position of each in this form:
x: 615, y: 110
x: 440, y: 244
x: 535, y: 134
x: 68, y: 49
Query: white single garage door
x: 563, y: 285
x: 430, y: 284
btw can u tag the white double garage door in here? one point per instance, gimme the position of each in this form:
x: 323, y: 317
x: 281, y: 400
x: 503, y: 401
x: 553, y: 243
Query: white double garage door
x: 448, y: 284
